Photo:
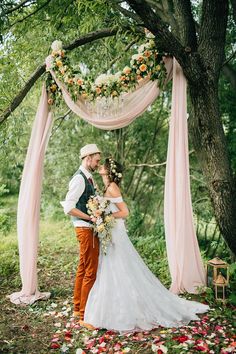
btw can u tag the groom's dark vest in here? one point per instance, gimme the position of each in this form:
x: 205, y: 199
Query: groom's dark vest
x: 88, y: 192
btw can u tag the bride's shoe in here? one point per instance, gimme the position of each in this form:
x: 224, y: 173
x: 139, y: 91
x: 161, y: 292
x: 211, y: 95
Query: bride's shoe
x: 87, y: 325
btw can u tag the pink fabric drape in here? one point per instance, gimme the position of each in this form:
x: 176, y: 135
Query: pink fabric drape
x: 29, y: 205
x: 186, y: 267
x: 108, y: 114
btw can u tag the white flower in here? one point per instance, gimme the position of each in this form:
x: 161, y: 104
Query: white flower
x: 49, y: 62
x: 135, y: 56
x: 64, y: 348
x: 141, y: 48
x: 99, y: 221
x: 56, y: 45
x: 118, y: 74
x: 79, y: 351
x: 157, y: 346
x: 101, y: 80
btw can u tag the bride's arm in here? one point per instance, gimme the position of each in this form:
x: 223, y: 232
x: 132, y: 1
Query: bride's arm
x: 114, y: 192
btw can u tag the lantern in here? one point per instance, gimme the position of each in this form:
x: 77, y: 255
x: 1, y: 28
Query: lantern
x: 220, y: 281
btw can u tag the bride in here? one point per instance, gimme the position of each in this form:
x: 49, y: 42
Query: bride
x: 126, y: 295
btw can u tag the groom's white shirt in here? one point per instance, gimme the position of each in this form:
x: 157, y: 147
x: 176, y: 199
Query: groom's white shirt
x: 76, y: 189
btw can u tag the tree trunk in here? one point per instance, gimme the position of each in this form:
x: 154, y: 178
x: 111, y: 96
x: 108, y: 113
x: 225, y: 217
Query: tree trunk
x: 210, y: 144
x: 201, y: 62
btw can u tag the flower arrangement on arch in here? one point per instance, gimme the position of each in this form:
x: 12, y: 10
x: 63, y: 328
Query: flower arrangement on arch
x: 148, y: 62
x: 98, y: 207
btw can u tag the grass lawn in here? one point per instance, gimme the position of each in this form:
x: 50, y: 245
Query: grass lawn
x: 47, y: 326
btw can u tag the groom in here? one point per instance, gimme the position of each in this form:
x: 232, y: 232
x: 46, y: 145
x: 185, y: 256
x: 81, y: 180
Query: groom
x: 81, y: 187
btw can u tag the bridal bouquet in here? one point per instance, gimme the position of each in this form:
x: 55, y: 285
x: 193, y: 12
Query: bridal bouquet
x: 97, y: 207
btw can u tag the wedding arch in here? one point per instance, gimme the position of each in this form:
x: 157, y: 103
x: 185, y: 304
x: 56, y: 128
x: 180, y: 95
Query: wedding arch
x: 114, y: 101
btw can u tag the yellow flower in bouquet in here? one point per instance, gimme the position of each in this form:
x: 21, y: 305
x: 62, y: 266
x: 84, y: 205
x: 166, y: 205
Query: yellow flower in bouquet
x: 100, y: 228
x: 108, y: 218
x: 98, y: 208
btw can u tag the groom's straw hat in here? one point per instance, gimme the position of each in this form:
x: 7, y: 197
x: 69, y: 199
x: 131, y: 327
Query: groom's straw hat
x: 89, y: 149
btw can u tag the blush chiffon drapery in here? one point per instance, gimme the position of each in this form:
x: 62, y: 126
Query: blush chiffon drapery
x: 114, y: 115
x: 28, y: 212
x: 184, y: 259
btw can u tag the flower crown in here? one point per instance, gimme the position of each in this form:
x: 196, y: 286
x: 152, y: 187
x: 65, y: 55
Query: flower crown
x: 113, y: 170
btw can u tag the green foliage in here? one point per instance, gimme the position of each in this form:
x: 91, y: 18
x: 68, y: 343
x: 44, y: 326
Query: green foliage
x: 5, y: 223
x: 3, y: 190
x: 5, y: 220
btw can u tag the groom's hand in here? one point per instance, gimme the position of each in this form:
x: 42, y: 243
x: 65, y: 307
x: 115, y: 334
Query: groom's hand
x: 93, y: 219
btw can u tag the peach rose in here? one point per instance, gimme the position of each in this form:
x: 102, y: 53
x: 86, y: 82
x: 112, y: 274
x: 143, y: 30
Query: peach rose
x: 50, y: 101
x: 127, y: 70
x: 147, y: 53
x: 98, y: 90
x: 80, y: 82
x: 140, y: 58
x: 61, y: 53
x: 70, y: 81
x: 143, y: 67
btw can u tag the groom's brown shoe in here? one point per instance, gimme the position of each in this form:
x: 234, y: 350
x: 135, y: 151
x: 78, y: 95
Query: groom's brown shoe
x: 87, y: 325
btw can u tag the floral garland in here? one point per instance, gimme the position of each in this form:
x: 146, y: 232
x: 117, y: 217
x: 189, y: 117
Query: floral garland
x: 147, y: 62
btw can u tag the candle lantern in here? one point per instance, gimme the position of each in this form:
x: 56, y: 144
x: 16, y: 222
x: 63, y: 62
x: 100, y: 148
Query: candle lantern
x: 215, y: 268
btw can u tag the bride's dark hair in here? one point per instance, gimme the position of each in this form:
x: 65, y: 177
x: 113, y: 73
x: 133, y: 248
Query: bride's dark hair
x: 114, y: 169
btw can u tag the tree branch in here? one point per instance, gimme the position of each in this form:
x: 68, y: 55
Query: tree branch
x: 126, y: 12
x: 147, y: 165
x: 233, y: 4
x: 212, y: 33
x: 23, y: 92
x: 165, y: 40
x: 229, y: 58
x: 61, y: 118
x: 17, y: 7
x: 186, y: 24
x: 31, y: 14
x: 125, y: 50
x: 90, y: 37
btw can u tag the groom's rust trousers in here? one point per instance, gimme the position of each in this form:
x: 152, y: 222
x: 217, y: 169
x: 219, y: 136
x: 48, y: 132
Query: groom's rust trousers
x: 87, y: 268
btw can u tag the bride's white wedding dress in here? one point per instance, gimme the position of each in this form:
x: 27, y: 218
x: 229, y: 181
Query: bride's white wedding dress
x: 127, y: 296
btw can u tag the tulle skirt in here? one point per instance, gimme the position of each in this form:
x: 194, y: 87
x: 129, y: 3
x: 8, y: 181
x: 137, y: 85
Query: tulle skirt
x: 126, y: 295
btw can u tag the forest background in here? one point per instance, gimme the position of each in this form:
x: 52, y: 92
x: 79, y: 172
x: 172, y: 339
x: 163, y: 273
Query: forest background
x: 27, y: 30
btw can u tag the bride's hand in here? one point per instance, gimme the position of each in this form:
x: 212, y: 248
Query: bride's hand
x: 93, y: 219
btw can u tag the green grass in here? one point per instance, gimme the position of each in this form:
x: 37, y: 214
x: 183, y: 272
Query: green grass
x: 25, y: 329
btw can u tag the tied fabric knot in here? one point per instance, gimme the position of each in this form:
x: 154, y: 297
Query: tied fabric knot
x: 90, y: 180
